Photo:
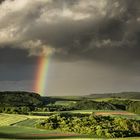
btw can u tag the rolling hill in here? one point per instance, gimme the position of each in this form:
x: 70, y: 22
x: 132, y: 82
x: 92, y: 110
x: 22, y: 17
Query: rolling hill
x: 12, y: 99
x: 128, y: 95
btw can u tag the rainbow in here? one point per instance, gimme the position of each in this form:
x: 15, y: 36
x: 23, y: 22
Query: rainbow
x: 41, y: 75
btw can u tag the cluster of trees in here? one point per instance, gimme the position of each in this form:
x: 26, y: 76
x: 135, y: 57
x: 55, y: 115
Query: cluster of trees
x: 102, y: 126
x: 80, y: 105
x: 119, y: 103
x: 89, y: 104
x: 15, y: 99
x: 128, y: 95
x: 128, y: 105
x: 134, y: 107
x: 15, y: 110
x: 51, y: 108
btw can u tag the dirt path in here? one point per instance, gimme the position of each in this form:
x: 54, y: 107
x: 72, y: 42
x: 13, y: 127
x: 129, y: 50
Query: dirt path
x: 114, y: 113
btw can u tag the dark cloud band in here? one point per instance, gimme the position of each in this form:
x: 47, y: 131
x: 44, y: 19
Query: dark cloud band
x: 84, y: 29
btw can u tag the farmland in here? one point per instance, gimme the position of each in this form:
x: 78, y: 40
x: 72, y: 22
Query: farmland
x: 24, y: 128
x: 6, y: 120
x: 72, y: 115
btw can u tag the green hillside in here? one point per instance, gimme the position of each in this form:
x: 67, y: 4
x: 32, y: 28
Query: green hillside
x: 88, y: 104
x: 128, y: 95
x: 12, y: 99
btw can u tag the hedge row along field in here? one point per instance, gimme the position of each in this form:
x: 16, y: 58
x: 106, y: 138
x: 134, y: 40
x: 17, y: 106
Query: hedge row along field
x: 102, y: 126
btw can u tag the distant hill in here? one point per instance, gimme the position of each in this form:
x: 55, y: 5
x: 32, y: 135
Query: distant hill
x: 88, y: 104
x: 9, y: 98
x: 128, y: 95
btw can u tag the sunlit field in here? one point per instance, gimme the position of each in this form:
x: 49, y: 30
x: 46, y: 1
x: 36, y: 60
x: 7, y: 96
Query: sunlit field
x: 7, y: 120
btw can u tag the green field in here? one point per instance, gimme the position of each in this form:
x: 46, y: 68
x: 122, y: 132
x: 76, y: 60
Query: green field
x: 67, y: 97
x: 109, y: 112
x: 64, y: 103
x: 11, y: 119
x: 6, y: 120
x: 23, y: 127
x: 27, y: 123
x: 19, y: 132
x: 12, y: 132
x: 107, y: 99
x: 22, y: 130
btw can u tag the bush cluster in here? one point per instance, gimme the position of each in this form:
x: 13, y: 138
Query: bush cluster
x: 15, y: 110
x: 102, y: 126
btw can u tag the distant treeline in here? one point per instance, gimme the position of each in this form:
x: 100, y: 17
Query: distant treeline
x: 127, y: 95
x: 16, y: 110
x: 24, y: 102
x: 17, y: 99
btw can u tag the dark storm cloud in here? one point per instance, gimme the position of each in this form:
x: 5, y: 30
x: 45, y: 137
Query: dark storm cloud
x: 103, y: 34
x: 16, y: 65
x: 102, y: 30
x: 15, y: 56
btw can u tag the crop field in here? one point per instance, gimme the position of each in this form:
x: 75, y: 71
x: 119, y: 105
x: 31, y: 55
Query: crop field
x: 67, y: 97
x: 101, y: 99
x: 13, y: 119
x: 105, y: 113
x: 6, y: 120
x: 97, y: 112
x: 27, y: 123
x: 64, y: 103
x: 114, y: 113
x: 122, y: 114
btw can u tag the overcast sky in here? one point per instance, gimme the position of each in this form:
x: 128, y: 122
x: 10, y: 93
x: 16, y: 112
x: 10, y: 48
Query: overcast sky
x: 94, y: 45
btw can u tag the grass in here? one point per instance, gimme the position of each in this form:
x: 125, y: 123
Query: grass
x: 27, y: 123
x: 64, y: 103
x: 35, y: 117
x: 12, y: 132
x: 23, y: 130
x: 103, y: 99
x: 134, y: 117
x: 9, y: 119
x: 107, y: 99
x: 67, y: 97
x: 78, y: 111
